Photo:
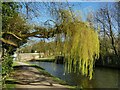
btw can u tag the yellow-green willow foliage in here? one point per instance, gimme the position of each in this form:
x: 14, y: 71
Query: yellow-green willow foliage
x: 81, y: 48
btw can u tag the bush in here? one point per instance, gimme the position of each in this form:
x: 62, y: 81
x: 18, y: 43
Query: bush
x: 6, y: 67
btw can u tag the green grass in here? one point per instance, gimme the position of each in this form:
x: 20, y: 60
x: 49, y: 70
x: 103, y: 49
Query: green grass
x: 8, y: 86
x: 35, y: 66
x: 45, y: 59
x: 9, y: 83
x: 14, y: 63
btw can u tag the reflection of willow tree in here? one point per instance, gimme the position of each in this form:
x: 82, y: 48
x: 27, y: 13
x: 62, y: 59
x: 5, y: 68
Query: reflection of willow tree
x: 78, y: 42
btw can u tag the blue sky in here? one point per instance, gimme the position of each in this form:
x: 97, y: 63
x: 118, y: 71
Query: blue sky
x: 84, y: 7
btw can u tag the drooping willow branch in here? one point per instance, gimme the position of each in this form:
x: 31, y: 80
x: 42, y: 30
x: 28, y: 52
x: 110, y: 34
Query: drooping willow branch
x: 81, y: 47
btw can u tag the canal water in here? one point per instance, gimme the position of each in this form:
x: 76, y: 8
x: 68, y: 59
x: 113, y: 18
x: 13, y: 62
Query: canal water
x: 102, y: 77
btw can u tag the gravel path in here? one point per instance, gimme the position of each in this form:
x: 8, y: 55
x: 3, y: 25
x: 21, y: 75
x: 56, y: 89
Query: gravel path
x: 31, y: 77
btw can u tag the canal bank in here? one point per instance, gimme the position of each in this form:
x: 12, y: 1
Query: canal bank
x: 28, y: 76
x: 108, y: 63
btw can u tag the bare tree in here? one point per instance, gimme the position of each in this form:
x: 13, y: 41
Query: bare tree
x: 108, y: 23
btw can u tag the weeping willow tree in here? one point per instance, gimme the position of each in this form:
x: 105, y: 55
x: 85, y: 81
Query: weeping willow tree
x: 81, y: 47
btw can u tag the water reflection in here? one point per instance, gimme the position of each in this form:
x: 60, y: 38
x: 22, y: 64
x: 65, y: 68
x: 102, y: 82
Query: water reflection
x: 106, y: 78
x: 103, y: 77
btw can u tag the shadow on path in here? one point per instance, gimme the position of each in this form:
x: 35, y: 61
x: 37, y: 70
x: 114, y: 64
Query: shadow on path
x: 28, y: 76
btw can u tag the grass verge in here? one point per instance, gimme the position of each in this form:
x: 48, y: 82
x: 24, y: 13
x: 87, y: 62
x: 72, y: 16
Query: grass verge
x: 47, y: 59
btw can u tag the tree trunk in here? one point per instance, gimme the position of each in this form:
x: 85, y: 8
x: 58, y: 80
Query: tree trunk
x: 111, y: 34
